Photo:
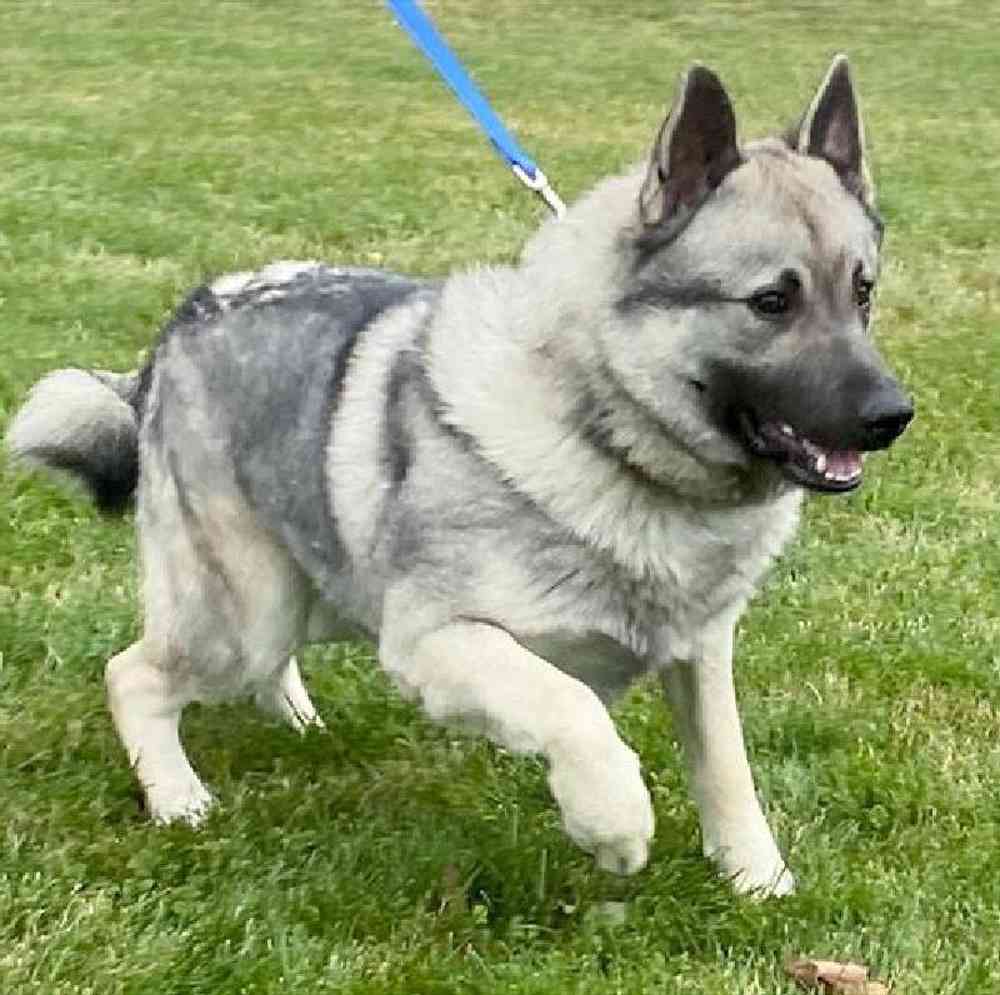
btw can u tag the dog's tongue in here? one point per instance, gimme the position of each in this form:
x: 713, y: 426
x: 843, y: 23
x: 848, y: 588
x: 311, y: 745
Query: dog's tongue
x: 844, y: 465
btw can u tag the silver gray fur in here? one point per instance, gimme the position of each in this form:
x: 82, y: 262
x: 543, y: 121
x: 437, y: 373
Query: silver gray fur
x: 531, y: 484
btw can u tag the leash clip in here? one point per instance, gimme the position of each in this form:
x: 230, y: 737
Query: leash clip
x: 539, y: 184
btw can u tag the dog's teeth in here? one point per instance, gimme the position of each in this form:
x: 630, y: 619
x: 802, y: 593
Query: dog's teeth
x: 787, y: 429
x: 821, y: 465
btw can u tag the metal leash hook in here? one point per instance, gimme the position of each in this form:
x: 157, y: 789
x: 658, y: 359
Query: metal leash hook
x: 540, y: 185
x: 425, y: 36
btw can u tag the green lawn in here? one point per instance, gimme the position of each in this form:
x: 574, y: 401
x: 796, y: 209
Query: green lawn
x: 144, y: 145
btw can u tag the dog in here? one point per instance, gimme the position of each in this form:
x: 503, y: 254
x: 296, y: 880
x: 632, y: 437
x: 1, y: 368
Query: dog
x: 531, y: 484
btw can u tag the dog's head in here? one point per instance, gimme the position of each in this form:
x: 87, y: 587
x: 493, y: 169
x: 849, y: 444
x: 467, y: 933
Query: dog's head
x: 751, y: 276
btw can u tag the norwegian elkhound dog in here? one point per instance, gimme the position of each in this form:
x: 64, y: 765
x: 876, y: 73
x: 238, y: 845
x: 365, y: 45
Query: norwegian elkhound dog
x: 533, y: 484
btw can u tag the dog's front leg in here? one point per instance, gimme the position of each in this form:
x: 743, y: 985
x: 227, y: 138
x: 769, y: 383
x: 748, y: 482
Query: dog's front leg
x: 734, y: 831
x: 478, y: 675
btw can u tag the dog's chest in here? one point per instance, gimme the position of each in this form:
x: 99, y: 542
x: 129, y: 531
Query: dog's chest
x: 602, y: 625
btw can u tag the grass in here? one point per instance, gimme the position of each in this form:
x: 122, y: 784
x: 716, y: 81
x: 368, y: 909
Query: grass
x: 144, y: 145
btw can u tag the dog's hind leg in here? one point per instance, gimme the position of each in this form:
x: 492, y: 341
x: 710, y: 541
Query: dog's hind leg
x: 286, y: 698
x: 225, y: 607
x: 146, y: 703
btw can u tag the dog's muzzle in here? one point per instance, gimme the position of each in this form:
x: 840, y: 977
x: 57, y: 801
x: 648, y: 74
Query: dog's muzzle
x: 830, y: 469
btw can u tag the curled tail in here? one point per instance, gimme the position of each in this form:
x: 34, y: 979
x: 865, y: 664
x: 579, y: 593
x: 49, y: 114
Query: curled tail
x: 85, y: 424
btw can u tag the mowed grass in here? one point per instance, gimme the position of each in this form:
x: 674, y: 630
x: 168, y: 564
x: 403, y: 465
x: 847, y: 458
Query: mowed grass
x: 143, y: 146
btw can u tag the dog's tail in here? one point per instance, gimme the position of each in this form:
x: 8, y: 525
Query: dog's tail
x: 85, y: 424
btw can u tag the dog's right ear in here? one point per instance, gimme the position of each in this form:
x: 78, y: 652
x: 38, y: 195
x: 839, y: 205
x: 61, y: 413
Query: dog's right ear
x: 694, y: 152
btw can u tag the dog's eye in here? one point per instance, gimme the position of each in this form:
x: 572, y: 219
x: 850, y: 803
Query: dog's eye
x: 770, y: 303
x: 778, y: 298
x: 863, y: 294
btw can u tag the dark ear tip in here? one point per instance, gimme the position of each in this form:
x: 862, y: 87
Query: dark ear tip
x: 840, y: 67
x: 701, y: 76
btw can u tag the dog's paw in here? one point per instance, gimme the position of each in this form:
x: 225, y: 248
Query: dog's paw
x: 188, y: 802
x: 606, y: 808
x: 757, y: 871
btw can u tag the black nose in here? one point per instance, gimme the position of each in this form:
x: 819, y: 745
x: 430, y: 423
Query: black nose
x: 885, y: 416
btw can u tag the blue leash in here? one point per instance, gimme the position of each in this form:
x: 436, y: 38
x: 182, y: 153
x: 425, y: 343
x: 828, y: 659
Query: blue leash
x: 425, y: 36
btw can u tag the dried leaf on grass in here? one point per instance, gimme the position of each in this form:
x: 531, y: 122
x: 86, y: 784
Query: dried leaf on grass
x: 832, y: 977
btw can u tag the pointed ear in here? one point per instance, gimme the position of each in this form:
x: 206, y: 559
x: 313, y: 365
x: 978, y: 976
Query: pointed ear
x: 832, y: 130
x: 694, y: 151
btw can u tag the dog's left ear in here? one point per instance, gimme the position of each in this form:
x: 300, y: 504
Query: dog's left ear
x: 832, y: 130
x: 693, y: 153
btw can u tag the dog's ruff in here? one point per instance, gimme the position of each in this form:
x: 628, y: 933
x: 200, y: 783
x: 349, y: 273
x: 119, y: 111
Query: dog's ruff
x: 532, y: 484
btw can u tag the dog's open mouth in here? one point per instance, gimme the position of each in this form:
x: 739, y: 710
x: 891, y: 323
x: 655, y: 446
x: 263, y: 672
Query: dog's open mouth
x: 802, y: 460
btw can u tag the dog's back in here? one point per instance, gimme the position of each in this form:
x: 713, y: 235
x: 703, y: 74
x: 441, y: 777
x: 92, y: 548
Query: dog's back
x: 256, y: 381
